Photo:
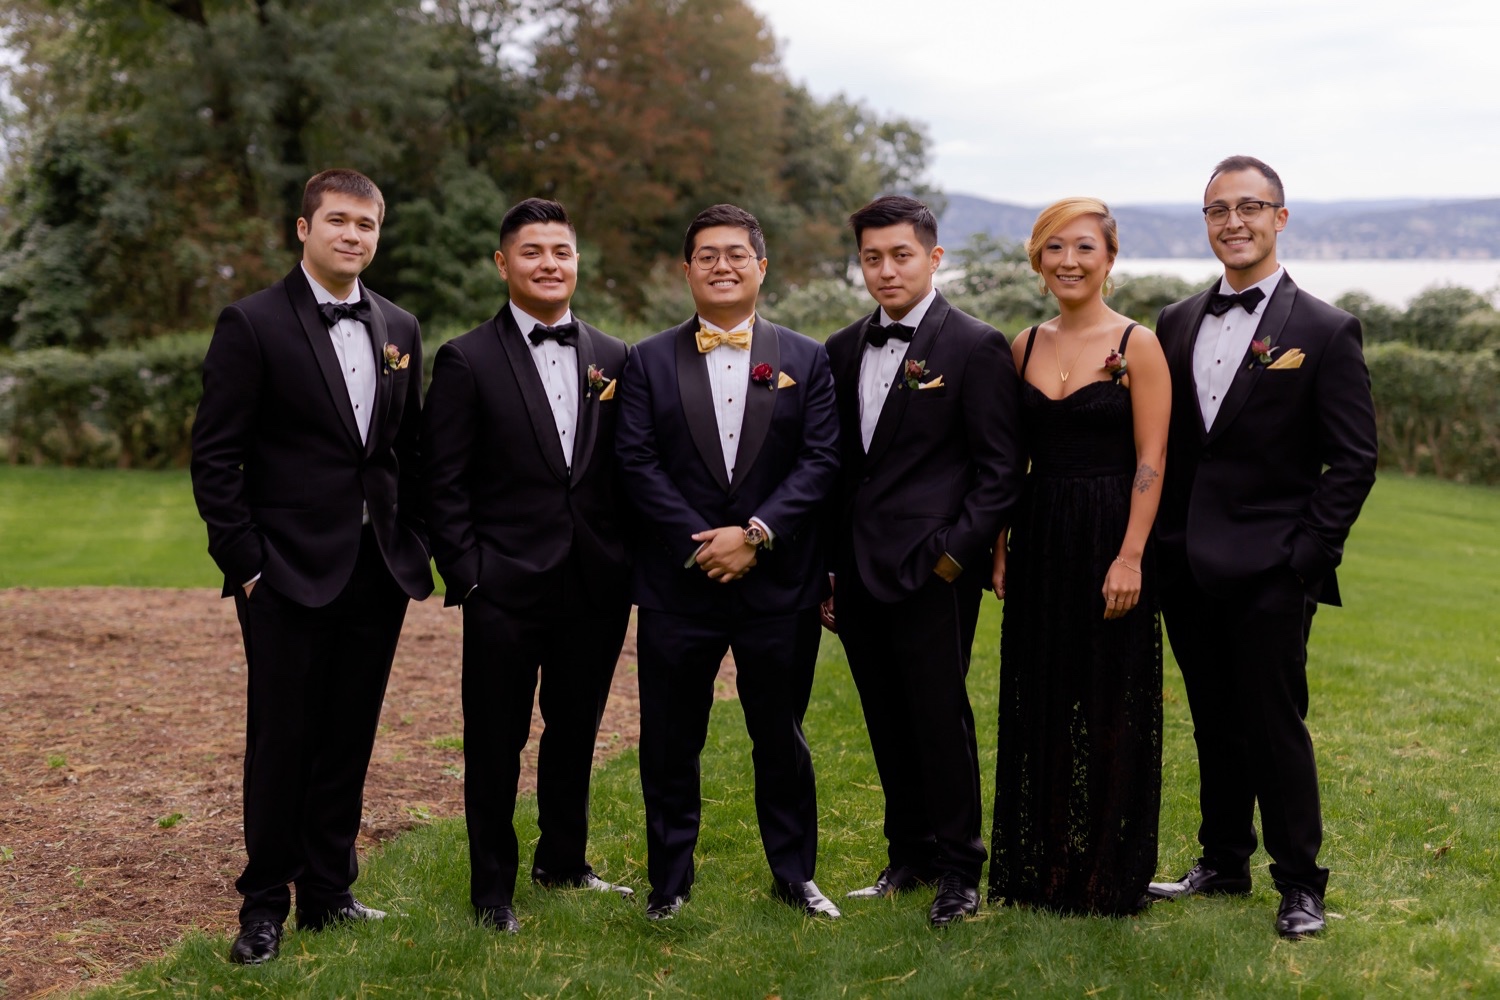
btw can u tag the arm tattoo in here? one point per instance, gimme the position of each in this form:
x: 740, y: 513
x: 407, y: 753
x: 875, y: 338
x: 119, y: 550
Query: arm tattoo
x: 1144, y: 477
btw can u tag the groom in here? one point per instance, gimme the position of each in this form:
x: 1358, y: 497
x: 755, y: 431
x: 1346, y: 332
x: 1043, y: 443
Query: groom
x: 728, y: 446
x: 1271, y: 454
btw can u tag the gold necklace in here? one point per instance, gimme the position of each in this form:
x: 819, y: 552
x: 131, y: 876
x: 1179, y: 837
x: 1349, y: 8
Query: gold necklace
x: 1057, y: 353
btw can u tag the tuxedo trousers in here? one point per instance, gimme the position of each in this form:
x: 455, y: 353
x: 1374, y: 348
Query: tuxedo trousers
x: 910, y: 662
x: 679, y: 656
x: 571, y: 641
x: 1244, y: 664
x: 317, y: 679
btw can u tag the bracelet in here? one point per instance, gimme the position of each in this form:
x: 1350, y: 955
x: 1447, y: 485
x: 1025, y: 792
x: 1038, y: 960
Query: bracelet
x: 1122, y: 562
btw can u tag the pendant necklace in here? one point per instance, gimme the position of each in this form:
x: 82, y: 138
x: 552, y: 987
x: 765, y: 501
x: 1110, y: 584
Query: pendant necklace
x: 1058, y: 355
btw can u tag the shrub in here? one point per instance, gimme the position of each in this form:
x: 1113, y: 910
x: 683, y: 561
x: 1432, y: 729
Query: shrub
x: 1437, y: 412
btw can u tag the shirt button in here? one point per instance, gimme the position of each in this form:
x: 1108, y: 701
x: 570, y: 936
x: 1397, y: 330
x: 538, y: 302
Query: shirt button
x: 731, y: 399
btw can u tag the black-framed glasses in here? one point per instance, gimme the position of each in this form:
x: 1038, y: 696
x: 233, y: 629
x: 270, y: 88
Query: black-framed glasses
x: 738, y: 257
x: 1246, y: 210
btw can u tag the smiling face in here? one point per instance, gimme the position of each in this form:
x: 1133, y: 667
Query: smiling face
x: 723, y: 294
x: 1075, y: 260
x: 898, y: 269
x: 339, y: 241
x: 1247, y: 249
x: 539, y: 262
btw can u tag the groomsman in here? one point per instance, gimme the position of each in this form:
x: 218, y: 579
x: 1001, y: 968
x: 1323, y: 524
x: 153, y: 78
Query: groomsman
x: 728, y: 442
x: 1271, y: 454
x: 528, y: 531
x: 930, y: 468
x: 305, y: 471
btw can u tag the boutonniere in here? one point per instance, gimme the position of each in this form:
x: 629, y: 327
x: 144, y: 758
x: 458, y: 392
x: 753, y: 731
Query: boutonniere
x: 395, y: 361
x: 596, y: 380
x: 1116, y: 364
x: 1262, y: 350
x: 913, y: 372
x: 762, y: 374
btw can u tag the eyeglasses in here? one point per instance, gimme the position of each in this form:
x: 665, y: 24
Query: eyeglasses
x: 1246, y: 210
x: 739, y: 258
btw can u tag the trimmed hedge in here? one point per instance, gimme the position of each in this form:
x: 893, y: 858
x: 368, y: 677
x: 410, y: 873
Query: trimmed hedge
x: 1438, y: 411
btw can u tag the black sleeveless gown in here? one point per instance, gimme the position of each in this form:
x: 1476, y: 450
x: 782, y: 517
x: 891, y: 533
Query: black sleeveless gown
x: 1078, y: 780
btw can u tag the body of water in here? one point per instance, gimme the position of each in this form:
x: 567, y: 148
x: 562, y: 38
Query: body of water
x: 1393, y: 282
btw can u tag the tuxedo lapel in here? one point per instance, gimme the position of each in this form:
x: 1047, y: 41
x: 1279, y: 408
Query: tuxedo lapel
x: 588, y: 403
x: 306, y: 308
x: 899, y: 395
x: 1272, y: 324
x: 543, y: 424
x: 1180, y: 359
x: 760, y: 401
x: 697, y: 402
x: 848, y: 381
x: 379, y: 337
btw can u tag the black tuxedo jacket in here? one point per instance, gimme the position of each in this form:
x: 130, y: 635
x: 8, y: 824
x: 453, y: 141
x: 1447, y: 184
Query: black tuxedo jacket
x: 673, y: 468
x: 503, y: 509
x: 945, y: 464
x: 1280, y: 478
x: 278, y: 469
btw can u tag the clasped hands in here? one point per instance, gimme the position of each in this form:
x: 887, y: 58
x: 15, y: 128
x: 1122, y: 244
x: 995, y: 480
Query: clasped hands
x: 724, y: 555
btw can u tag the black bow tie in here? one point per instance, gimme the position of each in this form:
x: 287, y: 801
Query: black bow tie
x: 879, y: 335
x: 564, y: 333
x: 1219, y: 303
x: 332, y: 312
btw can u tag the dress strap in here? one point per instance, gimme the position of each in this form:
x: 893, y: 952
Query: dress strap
x: 1125, y: 337
x: 1030, y: 343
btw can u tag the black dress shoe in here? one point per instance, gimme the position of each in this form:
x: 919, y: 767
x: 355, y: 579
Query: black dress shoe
x: 259, y: 941
x: 588, y: 880
x: 1201, y: 880
x: 892, y: 879
x: 665, y: 907
x: 499, y: 918
x: 1300, y: 914
x: 956, y: 899
x: 355, y: 913
x: 806, y: 897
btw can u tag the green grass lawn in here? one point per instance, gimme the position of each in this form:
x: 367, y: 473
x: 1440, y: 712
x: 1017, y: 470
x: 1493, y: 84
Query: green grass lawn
x: 1403, y: 682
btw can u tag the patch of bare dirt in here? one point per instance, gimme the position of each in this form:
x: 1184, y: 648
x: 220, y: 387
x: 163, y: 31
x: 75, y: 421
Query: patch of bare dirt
x: 121, y: 742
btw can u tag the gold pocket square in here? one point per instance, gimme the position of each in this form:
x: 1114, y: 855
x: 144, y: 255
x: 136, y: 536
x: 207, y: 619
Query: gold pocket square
x: 936, y: 383
x: 785, y: 381
x: 1291, y: 359
x: 608, y: 392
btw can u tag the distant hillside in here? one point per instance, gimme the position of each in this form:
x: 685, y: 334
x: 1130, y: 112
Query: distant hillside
x: 1389, y: 229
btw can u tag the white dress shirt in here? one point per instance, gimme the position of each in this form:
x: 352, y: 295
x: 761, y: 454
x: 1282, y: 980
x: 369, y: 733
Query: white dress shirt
x: 558, y: 366
x: 1221, y: 346
x: 356, y: 353
x: 879, y: 366
x: 729, y: 383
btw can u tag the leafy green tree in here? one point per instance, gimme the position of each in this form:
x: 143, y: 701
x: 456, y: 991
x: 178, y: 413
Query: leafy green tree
x: 1378, y: 320
x: 1432, y: 318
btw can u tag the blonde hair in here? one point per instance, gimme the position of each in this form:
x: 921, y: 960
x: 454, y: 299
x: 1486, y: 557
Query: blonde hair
x: 1059, y: 214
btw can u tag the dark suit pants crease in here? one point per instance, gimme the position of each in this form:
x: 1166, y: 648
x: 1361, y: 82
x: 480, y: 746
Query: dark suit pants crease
x: 317, y: 678
x: 774, y: 657
x: 1244, y: 664
x: 573, y: 641
x: 910, y: 661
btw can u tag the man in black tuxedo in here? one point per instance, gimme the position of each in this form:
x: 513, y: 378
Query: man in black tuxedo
x: 1270, y: 455
x: 528, y: 533
x: 728, y: 446
x: 930, y: 468
x: 305, y: 470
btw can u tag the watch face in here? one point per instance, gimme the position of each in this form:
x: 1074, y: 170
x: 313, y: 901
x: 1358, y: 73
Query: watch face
x: 754, y: 536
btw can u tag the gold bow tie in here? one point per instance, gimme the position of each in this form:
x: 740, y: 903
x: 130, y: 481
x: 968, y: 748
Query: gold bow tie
x: 709, y: 339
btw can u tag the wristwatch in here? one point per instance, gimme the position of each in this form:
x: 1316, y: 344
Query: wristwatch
x: 755, y: 536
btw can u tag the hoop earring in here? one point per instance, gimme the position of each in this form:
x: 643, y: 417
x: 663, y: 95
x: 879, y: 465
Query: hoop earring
x: 1109, y: 286
x: 1042, y: 287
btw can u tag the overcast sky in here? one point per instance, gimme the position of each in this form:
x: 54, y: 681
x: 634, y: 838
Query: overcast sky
x: 1135, y: 102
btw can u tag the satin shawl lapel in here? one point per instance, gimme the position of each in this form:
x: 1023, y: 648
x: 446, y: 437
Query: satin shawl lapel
x: 1272, y: 323
x: 848, y: 380
x: 899, y: 395
x: 306, y: 308
x: 1181, y: 361
x: 543, y: 424
x: 379, y: 337
x: 697, y: 402
x: 588, y: 402
x: 760, y: 400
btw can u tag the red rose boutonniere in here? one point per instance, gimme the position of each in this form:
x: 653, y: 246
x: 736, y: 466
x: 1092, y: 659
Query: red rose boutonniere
x: 913, y: 372
x: 596, y: 380
x: 395, y: 361
x: 1262, y: 350
x: 762, y: 374
x: 1116, y: 364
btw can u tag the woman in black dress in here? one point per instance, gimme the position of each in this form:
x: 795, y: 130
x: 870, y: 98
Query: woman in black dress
x: 1078, y: 780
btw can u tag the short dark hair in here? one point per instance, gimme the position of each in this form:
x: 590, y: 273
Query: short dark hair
x: 892, y: 210
x: 1234, y: 164
x: 340, y: 180
x: 725, y: 215
x: 533, y: 210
